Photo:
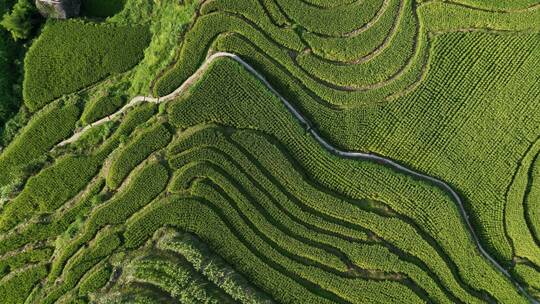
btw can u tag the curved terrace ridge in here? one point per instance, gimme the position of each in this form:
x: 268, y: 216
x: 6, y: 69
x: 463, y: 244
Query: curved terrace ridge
x: 325, y: 144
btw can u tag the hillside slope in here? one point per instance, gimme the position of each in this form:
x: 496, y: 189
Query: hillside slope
x: 248, y: 152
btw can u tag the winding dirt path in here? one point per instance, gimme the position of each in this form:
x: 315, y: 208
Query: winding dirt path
x: 346, y: 154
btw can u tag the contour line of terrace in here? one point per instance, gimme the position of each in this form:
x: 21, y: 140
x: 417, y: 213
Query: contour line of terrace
x: 309, y: 128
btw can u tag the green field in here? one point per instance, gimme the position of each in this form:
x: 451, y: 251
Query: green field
x: 274, y: 151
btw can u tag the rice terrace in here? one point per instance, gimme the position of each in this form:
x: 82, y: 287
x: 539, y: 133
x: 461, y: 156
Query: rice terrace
x: 270, y: 151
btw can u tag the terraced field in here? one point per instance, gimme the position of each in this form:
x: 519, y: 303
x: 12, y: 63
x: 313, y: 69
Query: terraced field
x: 277, y: 151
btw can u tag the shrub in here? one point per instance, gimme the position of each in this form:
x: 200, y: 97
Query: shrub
x: 170, y: 19
x: 91, y: 139
x: 133, y: 118
x: 19, y: 21
x: 8, y: 72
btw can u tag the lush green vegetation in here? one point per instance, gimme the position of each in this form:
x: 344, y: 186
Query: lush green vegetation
x: 169, y: 22
x: 101, y: 107
x: 183, y: 114
x: 46, y: 128
x: 226, y: 193
x: 9, y: 73
x: 359, y: 126
x: 69, y: 56
x: 95, y: 279
x: 19, y: 21
x: 134, y: 152
x: 50, y: 188
x: 15, y: 288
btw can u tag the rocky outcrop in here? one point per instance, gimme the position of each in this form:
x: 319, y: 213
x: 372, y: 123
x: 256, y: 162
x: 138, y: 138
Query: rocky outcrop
x: 59, y: 9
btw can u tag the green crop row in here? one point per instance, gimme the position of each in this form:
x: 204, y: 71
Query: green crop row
x: 213, y: 267
x: 297, y: 221
x: 362, y: 129
x: 175, y: 276
x: 208, y: 27
x: 132, y: 119
x: 101, y: 107
x: 389, y: 72
x: 44, y: 130
x: 39, y: 231
x: 95, y: 279
x: 348, y: 128
x: 251, y: 13
x: 15, y: 288
x: 100, y: 248
x: 428, y: 206
x: 333, y: 21
x: 275, y: 231
x: 72, y: 55
x: 219, y: 225
x: 50, y: 189
x: 275, y: 13
x: 135, y: 151
x: 347, y: 252
x: 306, y: 214
x: 360, y: 45
x: 145, y: 185
x: 327, y: 4
x: 53, y: 186
x: 521, y: 198
x: 453, y: 114
x: 135, y: 292
x: 61, y: 220
x: 507, y: 6
x: 330, y: 219
x: 406, y: 78
x: 529, y: 275
x: 532, y: 206
x: 385, y: 64
x: 14, y: 262
x: 448, y: 17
